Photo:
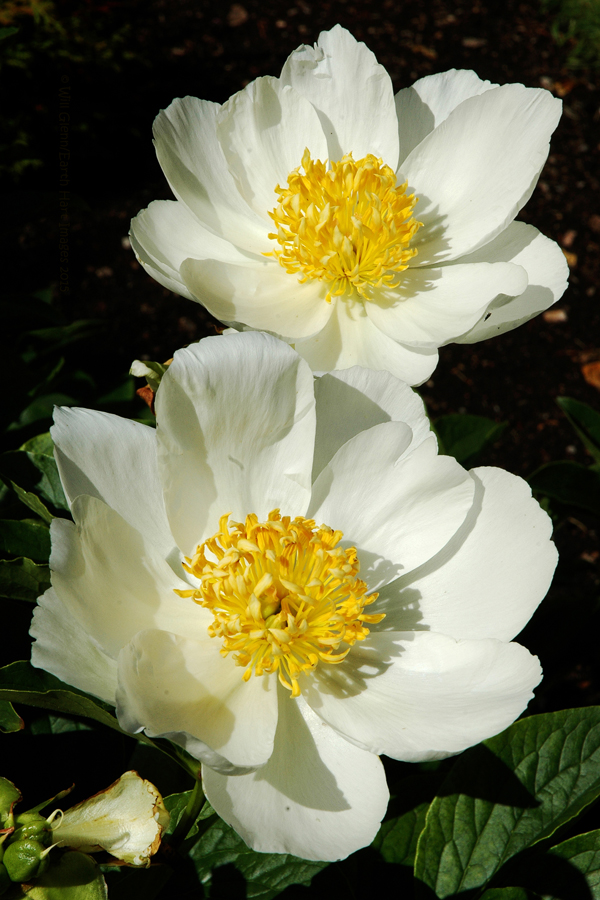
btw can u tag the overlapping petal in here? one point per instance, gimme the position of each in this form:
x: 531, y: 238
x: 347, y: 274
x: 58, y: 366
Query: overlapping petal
x: 420, y: 695
x: 318, y: 797
x: 232, y: 443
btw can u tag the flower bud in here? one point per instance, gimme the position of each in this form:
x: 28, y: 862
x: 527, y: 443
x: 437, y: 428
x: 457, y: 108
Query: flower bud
x: 31, y: 825
x: 25, y: 860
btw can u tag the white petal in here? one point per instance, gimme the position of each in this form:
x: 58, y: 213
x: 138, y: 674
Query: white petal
x: 115, y: 460
x: 235, y: 431
x: 431, y: 306
x: 350, y: 339
x: 166, y: 233
x: 430, y: 100
x: 478, y: 168
x: 351, y: 92
x: 112, y: 580
x: 264, y: 131
x: 353, y: 400
x: 423, y: 696
x: 488, y: 581
x: 191, y: 157
x: 318, y: 797
x: 262, y: 295
x: 397, y: 509
x: 546, y: 268
x: 169, y: 685
x: 65, y: 649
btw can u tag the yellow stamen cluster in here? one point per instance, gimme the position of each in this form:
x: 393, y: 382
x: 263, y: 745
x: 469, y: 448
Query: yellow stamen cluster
x: 348, y: 225
x: 284, y: 595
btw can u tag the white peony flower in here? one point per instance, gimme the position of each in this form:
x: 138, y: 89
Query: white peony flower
x: 127, y: 819
x: 363, y: 228
x: 287, y: 580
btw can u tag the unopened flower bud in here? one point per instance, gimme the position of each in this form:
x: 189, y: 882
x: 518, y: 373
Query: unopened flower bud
x: 25, y: 860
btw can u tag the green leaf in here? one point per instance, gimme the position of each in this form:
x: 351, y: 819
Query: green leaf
x: 570, y: 483
x: 32, y: 502
x: 585, y: 421
x: 505, y: 795
x: 25, y: 538
x: 41, y: 408
x: 21, y: 683
x: 125, y: 883
x: 397, y: 838
x: 7, y: 32
x: 583, y: 854
x: 508, y: 893
x: 72, y: 876
x: 22, y: 579
x: 266, y: 874
x: 10, y: 720
x: 464, y: 437
x: 49, y: 724
x: 34, y: 468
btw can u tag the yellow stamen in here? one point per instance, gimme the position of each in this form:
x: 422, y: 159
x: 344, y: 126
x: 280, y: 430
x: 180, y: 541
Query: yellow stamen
x: 348, y: 225
x: 284, y: 595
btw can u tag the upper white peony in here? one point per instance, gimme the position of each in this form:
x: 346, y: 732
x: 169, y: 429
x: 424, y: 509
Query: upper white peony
x: 364, y: 229
x: 286, y: 579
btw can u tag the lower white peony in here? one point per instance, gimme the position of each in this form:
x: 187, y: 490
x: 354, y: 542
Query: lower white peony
x: 287, y: 580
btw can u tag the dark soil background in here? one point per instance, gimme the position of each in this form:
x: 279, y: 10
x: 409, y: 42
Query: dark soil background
x: 169, y: 48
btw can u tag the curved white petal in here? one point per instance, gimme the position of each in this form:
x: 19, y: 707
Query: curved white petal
x: 398, y: 509
x: 166, y: 233
x: 547, y: 271
x: 168, y: 684
x: 350, y: 339
x: 431, y: 306
x: 111, y: 579
x: 425, y: 104
x: 318, y: 797
x: 64, y: 648
x: 356, y: 399
x: 191, y: 157
x: 489, y: 579
x: 235, y: 428
x: 115, y: 460
x: 351, y: 92
x: 263, y: 131
x: 423, y: 696
x: 261, y: 294
x: 476, y: 170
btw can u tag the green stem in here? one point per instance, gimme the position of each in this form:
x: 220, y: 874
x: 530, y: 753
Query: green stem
x: 189, y: 815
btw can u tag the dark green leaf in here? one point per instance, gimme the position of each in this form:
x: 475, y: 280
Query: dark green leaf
x: 20, y: 682
x: 22, y: 579
x: 397, y: 838
x: 464, y: 437
x: 34, y: 468
x: 508, y: 893
x: 505, y: 795
x: 49, y: 724
x: 32, y: 502
x: 570, y: 483
x: 585, y: 421
x: 10, y: 720
x: 62, y: 335
x: 41, y: 408
x: 136, y: 884
x: 72, y: 876
x: 7, y: 32
x: 583, y: 854
x: 25, y: 538
x: 266, y: 874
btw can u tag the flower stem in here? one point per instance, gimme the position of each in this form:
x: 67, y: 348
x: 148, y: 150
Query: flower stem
x: 189, y: 815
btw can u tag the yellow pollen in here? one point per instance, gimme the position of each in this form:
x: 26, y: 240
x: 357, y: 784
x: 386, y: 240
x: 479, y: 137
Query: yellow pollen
x: 284, y: 595
x: 348, y: 225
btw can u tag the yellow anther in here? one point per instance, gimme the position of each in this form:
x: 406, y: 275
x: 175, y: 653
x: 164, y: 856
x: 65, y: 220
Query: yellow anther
x: 284, y: 596
x: 348, y: 225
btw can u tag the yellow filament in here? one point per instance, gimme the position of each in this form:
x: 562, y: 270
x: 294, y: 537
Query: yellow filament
x: 348, y: 225
x: 284, y: 596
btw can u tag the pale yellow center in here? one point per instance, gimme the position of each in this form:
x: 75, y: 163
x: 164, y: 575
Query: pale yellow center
x: 348, y: 225
x: 285, y: 597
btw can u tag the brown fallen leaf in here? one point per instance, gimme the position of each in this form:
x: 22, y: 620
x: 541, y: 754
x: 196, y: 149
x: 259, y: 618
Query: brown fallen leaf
x: 591, y: 373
